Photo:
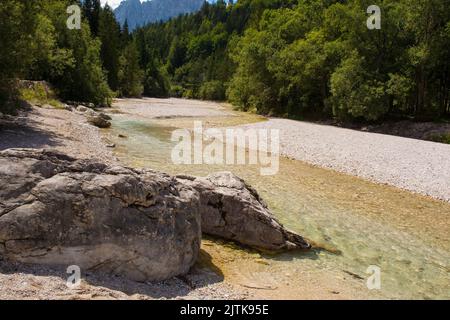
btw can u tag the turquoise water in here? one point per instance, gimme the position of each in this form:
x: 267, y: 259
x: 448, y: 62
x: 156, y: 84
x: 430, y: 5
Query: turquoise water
x: 406, y: 235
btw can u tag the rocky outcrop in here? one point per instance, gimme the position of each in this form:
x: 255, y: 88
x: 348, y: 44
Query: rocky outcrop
x: 59, y: 211
x: 233, y: 210
x: 142, y: 224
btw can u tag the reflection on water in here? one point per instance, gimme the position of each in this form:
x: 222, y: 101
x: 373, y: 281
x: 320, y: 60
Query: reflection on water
x: 406, y: 235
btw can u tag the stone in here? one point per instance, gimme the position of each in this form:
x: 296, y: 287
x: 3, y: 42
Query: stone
x: 68, y: 107
x: 233, y: 210
x: 104, y: 116
x: 81, y: 109
x: 55, y: 210
x: 98, y: 121
x: 91, y: 113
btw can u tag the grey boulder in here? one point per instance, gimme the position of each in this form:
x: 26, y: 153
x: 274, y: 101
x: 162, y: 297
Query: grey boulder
x: 233, y: 210
x: 56, y: 210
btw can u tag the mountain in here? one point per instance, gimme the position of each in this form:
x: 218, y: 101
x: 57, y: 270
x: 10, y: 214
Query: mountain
x: 138, y: 14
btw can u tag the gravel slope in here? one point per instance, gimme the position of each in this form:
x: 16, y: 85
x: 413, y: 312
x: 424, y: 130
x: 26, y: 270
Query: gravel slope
x: 414, y: 165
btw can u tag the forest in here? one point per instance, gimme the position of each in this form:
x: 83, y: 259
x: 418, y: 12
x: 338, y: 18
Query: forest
x: 92, y: 64
x: 314, y: 59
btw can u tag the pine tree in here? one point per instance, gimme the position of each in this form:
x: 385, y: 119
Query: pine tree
x: 17, y: 24
x: 130, y: 74
x: 91, y: 10
x: 109, y: 34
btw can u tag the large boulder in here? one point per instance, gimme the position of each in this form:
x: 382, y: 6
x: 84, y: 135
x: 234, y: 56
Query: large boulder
x: 142, y: 224
x: 233, y: 210
x: 56, y: 210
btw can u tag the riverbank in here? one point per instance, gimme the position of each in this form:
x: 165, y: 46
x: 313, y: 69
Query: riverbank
x: 57, y: 129
x: 414, y: 165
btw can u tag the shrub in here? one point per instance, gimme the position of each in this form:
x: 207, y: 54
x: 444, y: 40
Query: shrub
x: 212, y: 90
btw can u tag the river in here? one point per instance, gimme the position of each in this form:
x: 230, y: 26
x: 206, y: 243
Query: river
x: 361, y: 224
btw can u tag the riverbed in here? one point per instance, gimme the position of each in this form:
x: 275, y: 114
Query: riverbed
x: 358, y: 224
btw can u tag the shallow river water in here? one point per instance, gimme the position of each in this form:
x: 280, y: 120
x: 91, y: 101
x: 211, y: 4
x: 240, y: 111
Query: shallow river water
x: 361, y: 224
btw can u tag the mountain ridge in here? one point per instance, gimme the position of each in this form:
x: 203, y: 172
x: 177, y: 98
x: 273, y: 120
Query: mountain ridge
x: 138, y: 13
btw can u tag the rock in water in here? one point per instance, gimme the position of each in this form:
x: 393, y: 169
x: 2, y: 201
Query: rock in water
x: 56, y: 210
x: 233, y: 210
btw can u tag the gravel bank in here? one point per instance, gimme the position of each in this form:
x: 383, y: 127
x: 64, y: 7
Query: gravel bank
x: 56, y: 129
x: 414, y: 165
x: 154, y: 108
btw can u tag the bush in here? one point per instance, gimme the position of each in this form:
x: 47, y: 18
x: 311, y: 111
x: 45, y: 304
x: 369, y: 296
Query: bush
x: 442, y: 138
x: 355, y: 94
x: 38, y: 93
x: 189, y: 94
x: 212, y: 90
x: 176, y: 91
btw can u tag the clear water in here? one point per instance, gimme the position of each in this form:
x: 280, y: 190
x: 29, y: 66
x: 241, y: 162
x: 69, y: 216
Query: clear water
x: 406, y: 235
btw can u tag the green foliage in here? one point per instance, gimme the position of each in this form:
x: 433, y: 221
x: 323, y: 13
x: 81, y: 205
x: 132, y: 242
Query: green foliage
x: 49, y: 61
x: 442, y: 138
x: 17, y: 22
x: 40, y: 94
x: 82, y: 65
x: 110, y: 36
x: 311, y: 57
x: 92, y: 11
x: 130, y: 74
x: 156, y: 83
x: 355, y: 94
x: 294, y: 58
x: 176, y: 91
x: 212, y: 90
